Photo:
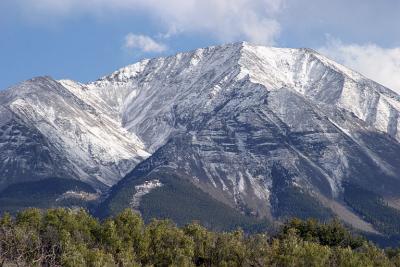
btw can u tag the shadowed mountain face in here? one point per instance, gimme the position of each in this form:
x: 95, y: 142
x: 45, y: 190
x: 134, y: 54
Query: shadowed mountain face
x: 236, y: 131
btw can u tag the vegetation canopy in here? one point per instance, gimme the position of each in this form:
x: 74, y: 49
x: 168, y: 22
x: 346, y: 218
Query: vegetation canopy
x: 63, y: 237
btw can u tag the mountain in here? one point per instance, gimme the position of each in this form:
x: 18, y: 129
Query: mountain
x: 49, y: 132
x: 236, y: 134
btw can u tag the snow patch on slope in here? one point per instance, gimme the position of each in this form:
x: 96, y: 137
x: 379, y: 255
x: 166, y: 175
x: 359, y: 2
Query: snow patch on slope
x: 141, y: 190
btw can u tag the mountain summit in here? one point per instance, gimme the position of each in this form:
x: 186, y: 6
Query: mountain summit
x: 235, y: 132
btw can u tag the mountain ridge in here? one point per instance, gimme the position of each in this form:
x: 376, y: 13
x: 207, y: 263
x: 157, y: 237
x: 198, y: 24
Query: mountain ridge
x: 261, y: 130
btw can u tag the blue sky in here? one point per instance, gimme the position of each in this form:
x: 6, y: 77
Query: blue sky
x: 83, y: 40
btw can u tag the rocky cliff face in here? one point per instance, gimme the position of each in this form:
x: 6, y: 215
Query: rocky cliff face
x: 267, y: 132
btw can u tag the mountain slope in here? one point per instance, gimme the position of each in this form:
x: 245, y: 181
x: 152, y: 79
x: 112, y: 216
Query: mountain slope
x: 49, y: 132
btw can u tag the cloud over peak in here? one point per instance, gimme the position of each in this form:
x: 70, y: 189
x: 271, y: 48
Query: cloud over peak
x: 225, y: 20
x: 375, y: 62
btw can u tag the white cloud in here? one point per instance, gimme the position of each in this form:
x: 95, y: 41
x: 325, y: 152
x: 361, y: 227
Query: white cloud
x: 143, y: 43
x: 375, y: 62
x: 225, y: 20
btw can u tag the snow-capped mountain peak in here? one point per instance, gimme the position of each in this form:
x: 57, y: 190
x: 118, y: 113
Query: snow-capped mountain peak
x: 196, y: 82
x: 249, y: 125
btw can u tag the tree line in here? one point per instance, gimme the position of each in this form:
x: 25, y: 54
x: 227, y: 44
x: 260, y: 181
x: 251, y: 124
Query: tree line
x: 64, y: 237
